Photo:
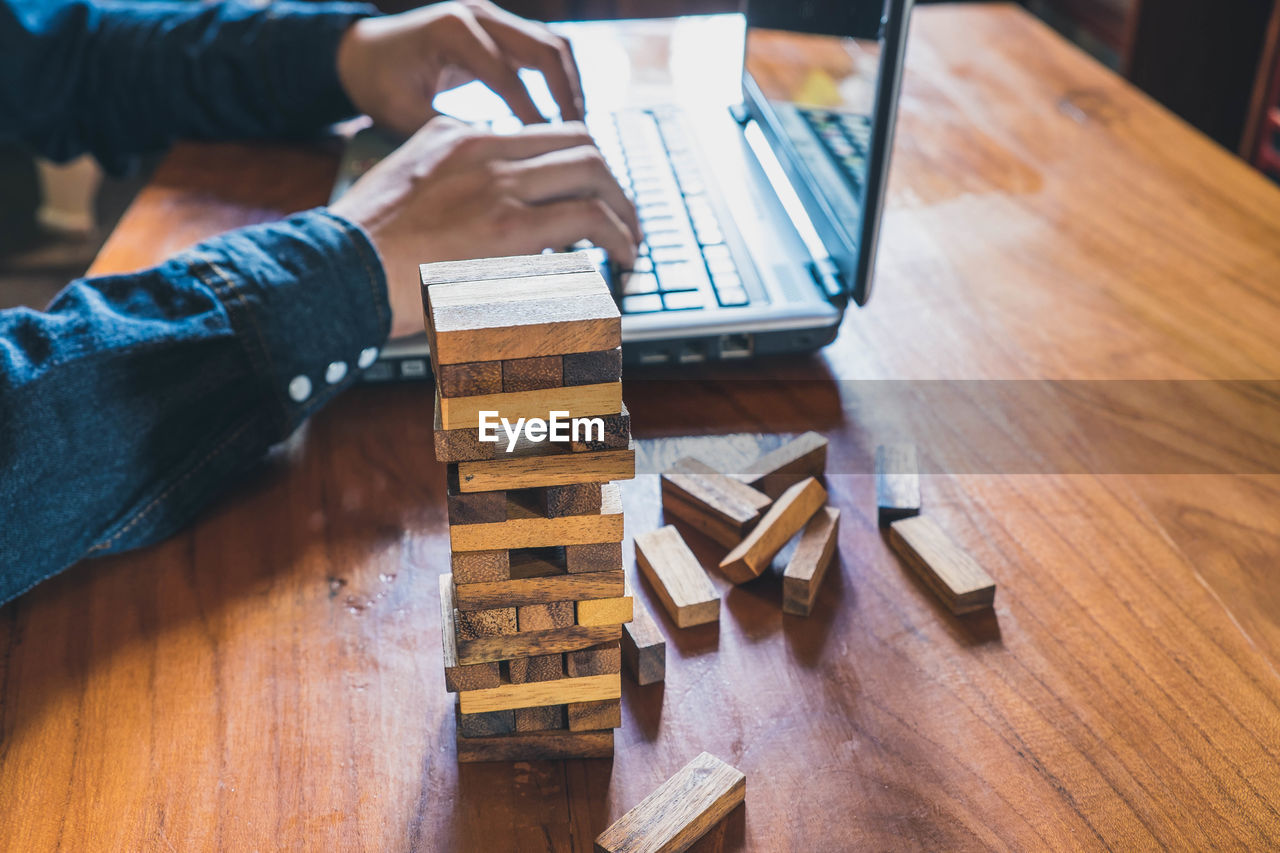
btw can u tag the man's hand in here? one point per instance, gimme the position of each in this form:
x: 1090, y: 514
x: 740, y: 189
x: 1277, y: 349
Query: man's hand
x: 393, y: 67
x: 452, y: 193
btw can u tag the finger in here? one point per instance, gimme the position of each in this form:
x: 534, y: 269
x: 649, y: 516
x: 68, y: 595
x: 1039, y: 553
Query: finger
x: 573, y: 173
x: 539, y: 139
x: 534, y: 46
x: 478, y: 53
x: 563, y: 223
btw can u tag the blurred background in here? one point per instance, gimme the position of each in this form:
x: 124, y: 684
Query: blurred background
x: 1216, y: 63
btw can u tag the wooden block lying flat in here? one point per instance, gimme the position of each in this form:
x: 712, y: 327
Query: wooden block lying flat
x: 591, y: 716
x: 537, y: 668
x: 532, y: 374
x: 597, y: 660
x: 600, y: 557
x: 481, y: 566
x: 579, y: 401
x: 592, y: 688
x: 529, y: 472
x: 790, y: 512
x: 537, y: 746
x: 575, y: 499
x: 809, y: 564
x: 521, y: 317
x: 464, y: 444
x: 515, y: 266
x: 605, y: 611
x: 588, y: 368
x: 644, y: 649
x: 491, y: 723
x: 530, y: 643
x: 725, y: 499
x: 476, y: 507
x: 537, y: 531
x: 947, y: 568
x: 540, y: 719
x: 545, y: 617
x: 680, y: 811
x: 682, y: 586
x: 470, y: 379
x: 673, y: 507
x: 774, y: 473
x: 486, y: 596
x: 478, y: 622
x: 897, y: 482
x: 458, y: 676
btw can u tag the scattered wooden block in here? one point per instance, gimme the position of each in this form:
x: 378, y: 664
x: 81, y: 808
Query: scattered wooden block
x: 775, y: 472
x: 788, y: 514
x: 562, y: 691
x: 531, y: 643
x: 537, y: 668
x: 591, y: 716
x: 574, y: 499
x: 459, y: 676
x: 490, y: 723
x: 476, y: 507
x: 545, y: 617
x: 481, y: 566
x: 580, y: 401
x: 536, y: 746
x: 541, y: 590
x: 523, y: 317
x: 675, y: 508
x: 484, y: 622
x: 680, y: 811
x: 515, y: 266
x: 808, y: 565
x: 897, y: 482
x: 644, y: 649
x: 720, y: 506
x: 470, y: 379
x: 597, y: 660
x: 527, y: 472
x: 597, y: 557
x: 589, y: 368
x: 534, y: 530
x: 604, y: 611
x: 531, y: 374
x: 947, y: 568
x: 676, y: 576
x: 544, y: 718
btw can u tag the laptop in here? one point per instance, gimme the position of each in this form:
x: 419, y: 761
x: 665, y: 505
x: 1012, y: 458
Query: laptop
x: 760, y: 220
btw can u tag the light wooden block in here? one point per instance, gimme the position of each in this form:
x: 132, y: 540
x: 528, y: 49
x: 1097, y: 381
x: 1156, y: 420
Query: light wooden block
x: 680, y: 811
x: 682, y: 586
x: 592, y: 688
x: 644, y: 648
x: 897, y: 482
x: 605, y: 611
x: 948, y: 569
x: 674, y: 508
x: 580, y: 401
x: 537, y: 746
x: 545, y: 617
x: 562, y: 469
x: 530, y: 643
x: 724, y: 499
x: 457, y: 675
x: 591, y: 716
x: 514, y: 266
x: 808, y: 565
x: 538, y: 531
x: 537, y: 668
x: 532, y: 374
x: 790, y: 512
x: 777, y: 471
x: 539, y: 590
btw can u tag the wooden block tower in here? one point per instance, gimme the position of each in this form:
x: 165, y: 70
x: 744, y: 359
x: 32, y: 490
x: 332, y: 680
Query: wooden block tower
x: 527, y: 352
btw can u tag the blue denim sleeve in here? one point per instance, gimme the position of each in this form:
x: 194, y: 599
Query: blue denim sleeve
x: 117, y: 79
x: 134, y: 399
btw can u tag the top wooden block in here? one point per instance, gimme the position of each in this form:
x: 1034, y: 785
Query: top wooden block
x: 522, y: 308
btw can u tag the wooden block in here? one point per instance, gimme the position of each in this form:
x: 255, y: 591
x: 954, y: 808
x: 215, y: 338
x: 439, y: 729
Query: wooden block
x: 456, y: 445
x: 464, y: 444
x: 644, y: 649
x: 459, y: 676
x: 515, y: 266
x: 682, y: 586
x: 521, y: 317
x: 597, y: 660
x: 562, y: 691
x: 540, y: 719
x: 604, y: 611
x: 537, y: 668
x: 513, y: 593
x: 808, y: 565
x: 529, y: 472
x: 617, y: 434
x: 545, y: 617
x: 537, y: 746
x: 591, y: 716
x: 575, y: 499
x: 774, y: 473
x: 490, y: 723
x: 680, y: 811
x: 725, y: 499
x: 598, y: 557
x: 589, y: 368
x: 673, y: 507
x: 788, y: 514
x: 579, y: 401
x: 532, y: 374
x: 481, y: 566
x: 470, y: 379
x: 531, y: 643
x: 897, y: 482
x: 947, y: 568
x: 538, y: 531
x: 476, y: 507
x: 483, y: 622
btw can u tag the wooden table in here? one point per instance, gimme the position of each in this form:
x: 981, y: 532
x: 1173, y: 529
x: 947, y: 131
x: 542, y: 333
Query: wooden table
x: 272, y: 677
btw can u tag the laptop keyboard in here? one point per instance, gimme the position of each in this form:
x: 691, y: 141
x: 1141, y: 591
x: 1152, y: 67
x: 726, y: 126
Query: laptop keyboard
x: 845, y: 136
x: 683, y: 263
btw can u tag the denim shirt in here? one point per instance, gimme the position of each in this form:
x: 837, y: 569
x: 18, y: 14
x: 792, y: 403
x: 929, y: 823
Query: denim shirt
x: 132, y: 400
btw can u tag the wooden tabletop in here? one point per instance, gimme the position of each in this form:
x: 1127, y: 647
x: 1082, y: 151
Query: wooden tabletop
x: 271, y: 678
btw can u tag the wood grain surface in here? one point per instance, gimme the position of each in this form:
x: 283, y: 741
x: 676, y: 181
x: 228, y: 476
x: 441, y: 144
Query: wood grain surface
x: 271, y: 676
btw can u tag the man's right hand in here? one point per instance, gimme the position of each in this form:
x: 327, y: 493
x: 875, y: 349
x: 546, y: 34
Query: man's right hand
x: 452, y: 192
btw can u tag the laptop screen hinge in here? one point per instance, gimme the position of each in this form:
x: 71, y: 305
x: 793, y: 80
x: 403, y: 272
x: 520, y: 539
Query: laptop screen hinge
x: 827, y: 275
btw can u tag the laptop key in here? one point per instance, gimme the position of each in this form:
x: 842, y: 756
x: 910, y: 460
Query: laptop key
x: 634, y: 283
x: 731, y: 297
x: 685, y: 300
x: 681, y: 276
x: 677, y: 254
x: 644, y: 303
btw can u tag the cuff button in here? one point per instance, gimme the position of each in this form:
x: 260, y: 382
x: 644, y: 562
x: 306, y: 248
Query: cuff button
x: 336, y: 372
x: 367, y: 355
x: 299, y: 388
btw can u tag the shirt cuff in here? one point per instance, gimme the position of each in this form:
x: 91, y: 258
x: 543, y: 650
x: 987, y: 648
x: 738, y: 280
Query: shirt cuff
x: 307, y: 298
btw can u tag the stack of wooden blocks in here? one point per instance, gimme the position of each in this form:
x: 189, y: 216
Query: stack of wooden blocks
x: 533, y: 608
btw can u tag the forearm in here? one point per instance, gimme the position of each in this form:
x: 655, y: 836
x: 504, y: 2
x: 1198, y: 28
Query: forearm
x: 135, y: 399
x: 121, y: 78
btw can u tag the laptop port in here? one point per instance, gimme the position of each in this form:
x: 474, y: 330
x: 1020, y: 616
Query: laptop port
x: 736, y: 346
x: 692, y: 354
x: 654, y: 357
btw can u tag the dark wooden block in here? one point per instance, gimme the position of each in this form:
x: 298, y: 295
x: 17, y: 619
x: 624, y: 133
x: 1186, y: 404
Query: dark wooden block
x: 470, y: 379
x: 542, y: 718
x: 576, y: 499
x: 589, y: 368
x: 539, y: 590
x: 537, y: 746
x: 477, y: 507
x: 604, y: 659
x: 591, y: 716
x: 493, y: 622
x: 897, y: 482
x: 644, y: 648
x: 544, y: 617
x: 530, y: 643
x: 617, y: 434
x: 459, y: 676
x: 600, y: 557
x: 481, y: 566
x: 487, y: 723
x: 537, y: 668
x: 531, y: 374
